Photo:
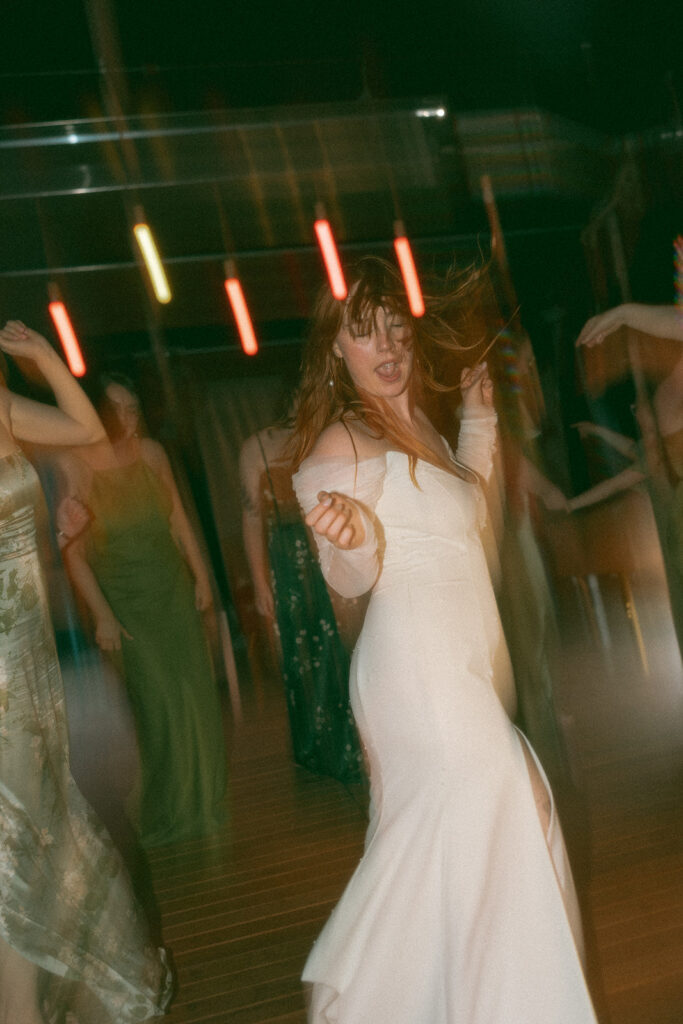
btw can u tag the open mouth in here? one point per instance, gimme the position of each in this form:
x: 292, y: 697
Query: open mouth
x: 389, y: 372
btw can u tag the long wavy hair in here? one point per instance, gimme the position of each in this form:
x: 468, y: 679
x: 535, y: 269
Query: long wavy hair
x: 327, y: 393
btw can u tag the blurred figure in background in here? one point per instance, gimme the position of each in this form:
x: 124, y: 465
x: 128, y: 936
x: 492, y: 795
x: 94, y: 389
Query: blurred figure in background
x: 291, y: 594
x: 72, y: 939
x: 659, y: 461
x: 139, y: 570
x: 526, y: 598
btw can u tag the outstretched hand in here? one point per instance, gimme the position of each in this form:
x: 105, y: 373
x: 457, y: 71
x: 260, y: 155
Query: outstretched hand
x: 21, y: 342
x: 338, y: 519
x: 595, y: 330
x: 476, y: 387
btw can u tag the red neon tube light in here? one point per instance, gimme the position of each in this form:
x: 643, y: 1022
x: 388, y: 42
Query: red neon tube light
x: 67, y: 337
x: 331, y: 259
x: 241, y: 313
x: 406, y: 263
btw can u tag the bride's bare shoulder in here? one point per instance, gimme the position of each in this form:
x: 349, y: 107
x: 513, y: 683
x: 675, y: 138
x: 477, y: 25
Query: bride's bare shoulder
x: 348, y: 439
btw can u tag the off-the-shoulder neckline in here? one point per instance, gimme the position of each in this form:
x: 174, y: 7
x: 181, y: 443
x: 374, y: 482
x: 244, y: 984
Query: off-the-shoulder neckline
x: 346, y: 461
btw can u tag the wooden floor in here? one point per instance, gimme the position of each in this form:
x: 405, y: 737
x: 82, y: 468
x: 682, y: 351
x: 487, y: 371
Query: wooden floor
x: 240, y: 912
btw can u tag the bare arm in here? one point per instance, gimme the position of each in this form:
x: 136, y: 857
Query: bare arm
x: 108, y: 630
x: 252, y: 526
x: 74, y: 420
x: 658, y: 321
x: 157, y: 459
x: 536, y: 483
x: 606, y: 488
x: 620, y: 442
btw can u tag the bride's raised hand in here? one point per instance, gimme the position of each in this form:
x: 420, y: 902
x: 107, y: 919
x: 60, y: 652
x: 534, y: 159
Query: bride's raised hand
x: 338, y: 519
x: 476, y: 387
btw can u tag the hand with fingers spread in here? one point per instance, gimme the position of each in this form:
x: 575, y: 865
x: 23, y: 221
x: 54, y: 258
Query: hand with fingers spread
x: 476, y: 387
x: 337, y: 518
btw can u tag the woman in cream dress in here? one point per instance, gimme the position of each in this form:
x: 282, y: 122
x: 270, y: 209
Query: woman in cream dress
x: 462, y: 909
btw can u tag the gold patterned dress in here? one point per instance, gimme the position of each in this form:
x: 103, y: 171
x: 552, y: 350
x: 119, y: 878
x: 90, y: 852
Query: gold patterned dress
x: 65, y: 899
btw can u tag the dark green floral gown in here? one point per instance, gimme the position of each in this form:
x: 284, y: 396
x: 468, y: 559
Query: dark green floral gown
x: 315, y: 663
x: 65, y: 899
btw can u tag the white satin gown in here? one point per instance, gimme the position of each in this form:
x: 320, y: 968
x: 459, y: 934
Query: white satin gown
x: 461, y: 910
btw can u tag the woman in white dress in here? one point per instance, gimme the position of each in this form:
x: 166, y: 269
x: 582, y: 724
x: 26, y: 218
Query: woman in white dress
x: 462, y: 909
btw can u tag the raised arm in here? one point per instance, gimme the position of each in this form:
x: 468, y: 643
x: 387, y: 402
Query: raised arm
x: 658, y: 321
x: 477, y: 437
x: 74, y: 420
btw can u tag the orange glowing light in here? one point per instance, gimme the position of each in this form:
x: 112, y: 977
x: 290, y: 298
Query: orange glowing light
x: 331, y: 259
x: 67, y: 337
x: 406, y: 262
x: 241, y: 313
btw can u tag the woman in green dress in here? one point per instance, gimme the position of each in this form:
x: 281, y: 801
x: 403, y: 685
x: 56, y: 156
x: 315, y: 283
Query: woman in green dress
x: 72, y: 938
x: 140, y: 572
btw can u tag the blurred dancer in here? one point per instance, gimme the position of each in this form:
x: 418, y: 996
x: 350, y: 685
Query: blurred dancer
x: 139, y: 569
x: 72, y: 939
x: 462, y: 908
x: 660, y: 463
x: 526, y: 599
x: 290, y: 591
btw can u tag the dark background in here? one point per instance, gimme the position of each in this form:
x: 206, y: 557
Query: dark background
x: 614, y: 64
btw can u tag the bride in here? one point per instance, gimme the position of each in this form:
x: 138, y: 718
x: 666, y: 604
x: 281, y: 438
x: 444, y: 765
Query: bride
x: 462, y: 909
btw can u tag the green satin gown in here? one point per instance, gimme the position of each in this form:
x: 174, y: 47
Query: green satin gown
x: 167, y: 664
x: 65, y: 898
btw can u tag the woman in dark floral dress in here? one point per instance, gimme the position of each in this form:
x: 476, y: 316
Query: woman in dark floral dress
x: 289, y: 590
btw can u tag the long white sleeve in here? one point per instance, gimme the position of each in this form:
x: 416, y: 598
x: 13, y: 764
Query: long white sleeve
x: 350, y: 573
x: 477, y: 442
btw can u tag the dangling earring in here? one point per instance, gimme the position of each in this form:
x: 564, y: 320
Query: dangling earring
x: 333, y: 372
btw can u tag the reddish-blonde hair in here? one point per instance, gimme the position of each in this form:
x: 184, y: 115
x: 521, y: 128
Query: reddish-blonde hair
x: 328, y: 395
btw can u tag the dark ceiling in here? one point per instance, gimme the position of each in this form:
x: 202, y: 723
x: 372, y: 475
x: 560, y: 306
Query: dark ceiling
x: 228, y: 124
x: 614, y: 64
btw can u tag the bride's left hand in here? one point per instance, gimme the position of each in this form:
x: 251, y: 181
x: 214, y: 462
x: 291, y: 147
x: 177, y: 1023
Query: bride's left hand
x: 476, y: 387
